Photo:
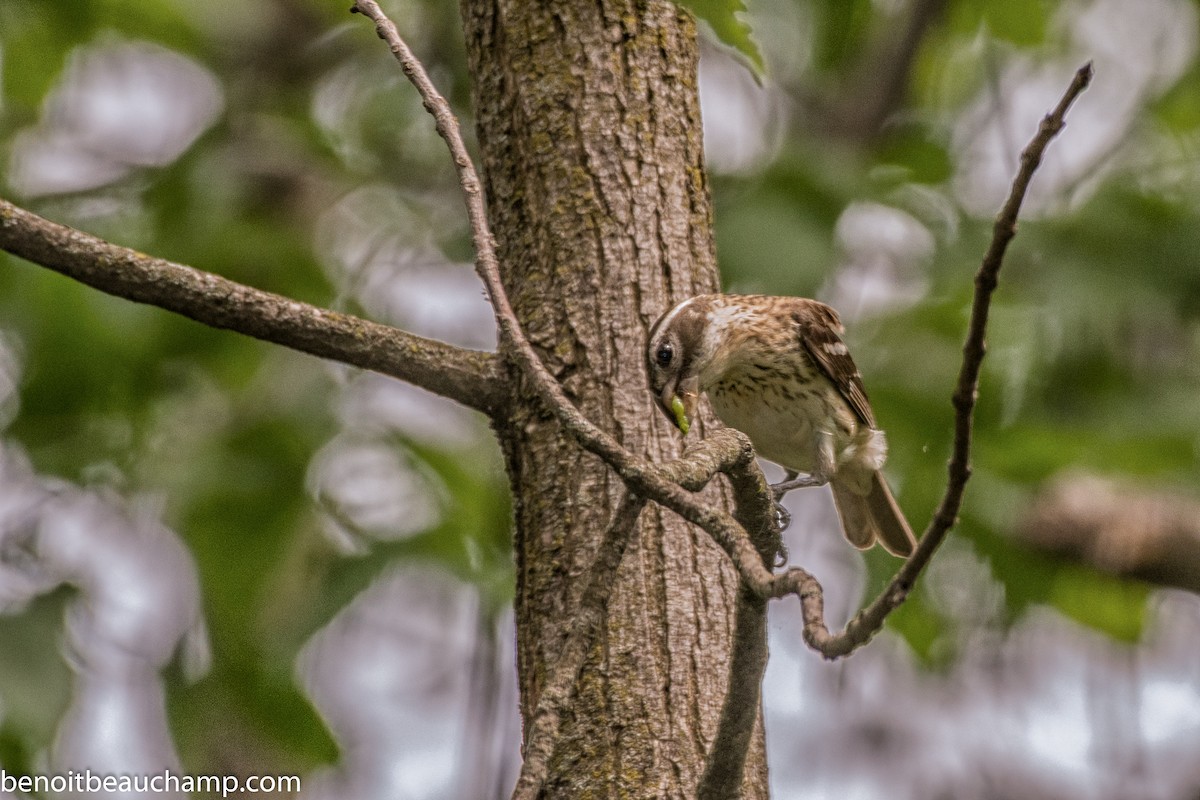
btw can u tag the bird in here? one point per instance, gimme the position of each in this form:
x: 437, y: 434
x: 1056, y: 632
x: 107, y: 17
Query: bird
x: 777, y: 369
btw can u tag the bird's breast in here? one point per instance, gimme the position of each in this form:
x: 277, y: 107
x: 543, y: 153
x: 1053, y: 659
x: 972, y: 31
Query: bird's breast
x: 783, y: 418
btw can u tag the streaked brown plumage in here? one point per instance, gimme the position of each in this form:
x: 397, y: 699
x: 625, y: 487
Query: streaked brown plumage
x: 776, y: 369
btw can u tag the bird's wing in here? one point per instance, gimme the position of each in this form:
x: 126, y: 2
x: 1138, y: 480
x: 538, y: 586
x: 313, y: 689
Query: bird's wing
x: 820, y: 334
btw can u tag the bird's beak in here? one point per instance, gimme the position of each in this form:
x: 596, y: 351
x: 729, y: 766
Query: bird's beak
x: 679, y: 400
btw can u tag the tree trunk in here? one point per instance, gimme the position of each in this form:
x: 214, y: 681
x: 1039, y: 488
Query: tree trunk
x: 589, y: 126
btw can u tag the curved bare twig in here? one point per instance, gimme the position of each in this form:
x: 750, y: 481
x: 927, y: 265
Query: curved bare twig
x: 868, y: 621
x: 513, y: 343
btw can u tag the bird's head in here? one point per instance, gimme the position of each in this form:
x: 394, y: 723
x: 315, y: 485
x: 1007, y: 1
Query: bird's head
x: 676, y: 357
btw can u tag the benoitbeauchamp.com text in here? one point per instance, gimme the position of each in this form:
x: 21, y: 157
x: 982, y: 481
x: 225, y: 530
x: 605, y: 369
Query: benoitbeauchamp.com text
x: 87, y: 781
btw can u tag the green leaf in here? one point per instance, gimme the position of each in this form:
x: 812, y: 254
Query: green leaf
x: 724, y: 17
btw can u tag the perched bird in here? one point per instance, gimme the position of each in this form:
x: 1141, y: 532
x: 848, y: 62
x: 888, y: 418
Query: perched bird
x: 776, y: 369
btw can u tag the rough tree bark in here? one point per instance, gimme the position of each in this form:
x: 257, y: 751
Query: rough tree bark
x: 589, y: 125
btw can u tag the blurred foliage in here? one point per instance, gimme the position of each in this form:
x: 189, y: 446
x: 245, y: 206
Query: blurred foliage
x: 1094, y: 345
x: 223, y: 427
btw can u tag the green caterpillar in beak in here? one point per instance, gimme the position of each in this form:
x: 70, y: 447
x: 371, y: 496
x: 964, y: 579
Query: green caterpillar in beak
x: 681, y: 418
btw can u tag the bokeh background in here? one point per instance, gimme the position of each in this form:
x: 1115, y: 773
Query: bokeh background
x: 218, y: 556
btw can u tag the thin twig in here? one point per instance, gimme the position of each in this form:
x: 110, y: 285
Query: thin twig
x: 513, y: 343
x: 638, y: 474
x: 592, y: 607
x: 868, y: 621
x: 471, y: 377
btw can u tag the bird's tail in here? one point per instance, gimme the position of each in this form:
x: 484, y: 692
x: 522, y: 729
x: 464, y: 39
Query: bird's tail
x: 873, y: 516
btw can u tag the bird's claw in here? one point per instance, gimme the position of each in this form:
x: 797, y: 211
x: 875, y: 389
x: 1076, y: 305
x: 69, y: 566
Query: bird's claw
x: 792, y: 480
x: 796, y: 480
x: 782, y: 516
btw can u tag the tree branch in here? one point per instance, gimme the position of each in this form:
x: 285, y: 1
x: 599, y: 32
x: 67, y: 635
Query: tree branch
x: 1117, y: 527
x: 513, y: 344
x: 868, y: 621
x: 722, y: 451
x: 591, y: 610
x: 471, y: 377
x: 725, y: 765
x: 754, y: 510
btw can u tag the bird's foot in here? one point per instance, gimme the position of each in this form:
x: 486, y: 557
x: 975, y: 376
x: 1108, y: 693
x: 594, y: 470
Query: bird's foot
x: 796, y: 480
x: 791, y: 480
x: 783, y: 519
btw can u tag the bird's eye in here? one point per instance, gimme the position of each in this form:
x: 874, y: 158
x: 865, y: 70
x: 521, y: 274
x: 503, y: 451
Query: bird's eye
x: 664, y: 354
